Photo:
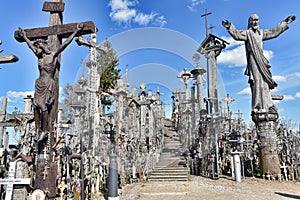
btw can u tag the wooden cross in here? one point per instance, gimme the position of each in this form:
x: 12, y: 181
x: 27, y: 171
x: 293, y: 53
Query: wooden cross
x: 7, y: 58
x: 239, y: 114
x: 205, y: 15
x: 211, y: 28
x: 54, y: 34
x: 11, y: 181
x: 284, y: 167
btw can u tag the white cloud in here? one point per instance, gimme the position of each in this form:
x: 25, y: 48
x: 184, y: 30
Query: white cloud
x: 160, y: 21
x: 280, y: 78
x: 122, y: 11
x: 121, y: 4
x: 268, y: 54
x: 288, y: 98
x: 125, y: 12
x: 124, y: 15
x: 298, y: 95
x: 288, y: 81
x: 245, y: 91
x: 236, y: 55
x: 297, y: 74
x: 144, y: 19
x: 14, y: 96
x: 232, y: 42
x: 194, y: 3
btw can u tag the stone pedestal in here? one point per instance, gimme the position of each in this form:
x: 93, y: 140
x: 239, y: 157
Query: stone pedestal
x: 265, y: 124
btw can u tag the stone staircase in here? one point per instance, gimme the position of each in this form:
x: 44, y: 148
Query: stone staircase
x: 172, y: 164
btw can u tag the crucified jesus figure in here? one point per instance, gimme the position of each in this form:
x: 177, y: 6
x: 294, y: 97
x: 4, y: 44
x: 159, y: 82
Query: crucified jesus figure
x: 258, y: 67
x: 45, y: 83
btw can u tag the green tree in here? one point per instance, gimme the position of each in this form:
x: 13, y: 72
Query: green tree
x: 109, y: 74
x: 65, y: 104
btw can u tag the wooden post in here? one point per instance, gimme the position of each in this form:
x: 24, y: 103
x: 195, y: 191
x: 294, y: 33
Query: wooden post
x: 2, y: 119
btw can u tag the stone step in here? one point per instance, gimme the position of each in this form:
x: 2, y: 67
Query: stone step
x: 175, y: 168
x: 168, y: 179
x: 166, y: 168
x: 170, y: 160
x: 168, y: 174
x: 171, y: 165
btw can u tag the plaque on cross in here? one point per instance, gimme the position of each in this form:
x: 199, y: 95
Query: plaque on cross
x: 11, y: 181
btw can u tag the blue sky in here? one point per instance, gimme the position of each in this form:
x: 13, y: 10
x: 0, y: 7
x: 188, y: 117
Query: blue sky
x: 157, y: 39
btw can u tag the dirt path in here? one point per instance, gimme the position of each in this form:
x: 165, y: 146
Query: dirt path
x: 204, y: 188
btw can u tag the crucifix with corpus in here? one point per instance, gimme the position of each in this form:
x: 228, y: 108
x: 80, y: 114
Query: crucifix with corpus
x: 46, y: 43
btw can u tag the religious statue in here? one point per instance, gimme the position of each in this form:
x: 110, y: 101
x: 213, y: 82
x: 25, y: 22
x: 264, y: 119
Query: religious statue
x: 45, y: 83
x: 258, y: 67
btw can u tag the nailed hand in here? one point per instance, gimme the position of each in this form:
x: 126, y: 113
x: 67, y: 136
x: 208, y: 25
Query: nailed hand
x: 21, y: 32
x: 80, y: 26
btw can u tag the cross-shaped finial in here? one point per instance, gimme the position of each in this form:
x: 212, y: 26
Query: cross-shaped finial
x: 211, y: 28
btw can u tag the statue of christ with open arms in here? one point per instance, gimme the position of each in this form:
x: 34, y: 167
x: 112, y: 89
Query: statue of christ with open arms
x: 258, y: 67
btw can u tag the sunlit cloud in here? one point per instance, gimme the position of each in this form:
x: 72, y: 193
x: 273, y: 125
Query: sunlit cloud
x: 296, y: 74
x: 280, y: 78
x: 232, y: 42
x: 194, y: 3
x: 160, y: 21
x: 246, y: 91
x: 288, y: 98
x: 125, y: 12
x: 121, y: 4
x: 144, y: 19
x: 123, y: 16
x: 235, y: 56
x: 288, y: 81
x: 15, y: 96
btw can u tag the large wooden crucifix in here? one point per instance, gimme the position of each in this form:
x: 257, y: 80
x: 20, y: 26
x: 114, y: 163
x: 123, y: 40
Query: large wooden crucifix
x: 47, y: 46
